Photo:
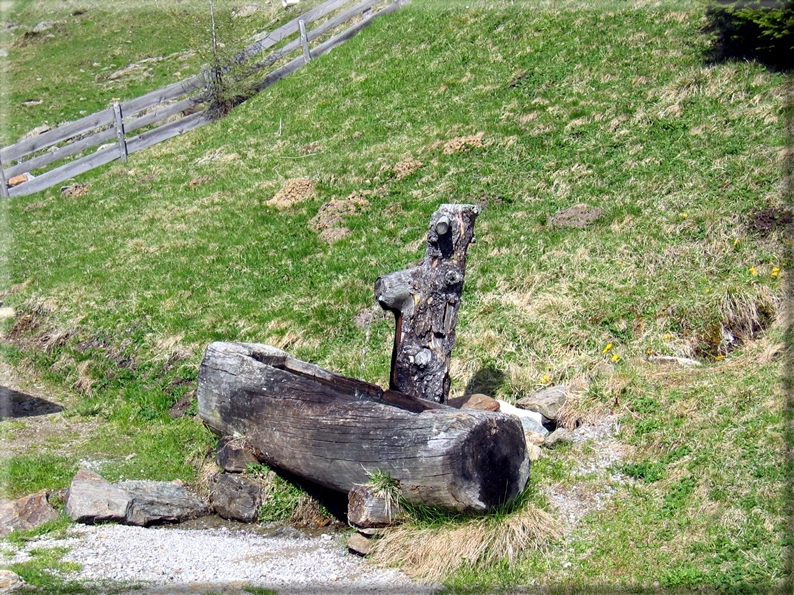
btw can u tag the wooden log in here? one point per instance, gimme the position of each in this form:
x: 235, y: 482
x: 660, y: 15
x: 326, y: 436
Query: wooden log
x: 335, y: 430
x: 425, y: 300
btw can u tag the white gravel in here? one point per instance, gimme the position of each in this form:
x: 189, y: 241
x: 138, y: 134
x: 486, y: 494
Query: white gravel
x: 219, y: 560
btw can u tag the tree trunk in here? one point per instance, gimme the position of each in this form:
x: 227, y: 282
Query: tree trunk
x: 425, y: 300
x: 334, y: 430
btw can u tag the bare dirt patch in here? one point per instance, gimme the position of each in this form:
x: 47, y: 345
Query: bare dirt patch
x: 766, y: 221
x: 295, y: 190
x: 32, y: 418
x: 329, y: 221
x: 578, y: 216
x: 463, y: 143
x: 407, y: 167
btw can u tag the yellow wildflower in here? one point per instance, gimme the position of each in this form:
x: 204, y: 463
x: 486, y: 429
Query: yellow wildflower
x: 615, y: 357
x: 775, y: 272
x: 668, y: 336
x: 684, y: 215
x: 608, y: 348
x: 753, y: 271
x: 719, y: 357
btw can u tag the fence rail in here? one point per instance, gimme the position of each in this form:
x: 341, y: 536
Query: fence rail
x: 179, y: 107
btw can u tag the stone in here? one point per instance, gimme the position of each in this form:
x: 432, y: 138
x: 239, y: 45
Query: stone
x: 43, y: 26
x: 236, y: 497
x: 3, y: 53
x: 547, y: 402
x: 669, y: 359
x: 531, y: 421
x: 476, y: 401
x: 10, y: 582
x: 155, y: 502
x: 369, y: 510
x: 533, y: 452
x: 359, y: 544
x: 233, y: 455
x: 93, y: 499
x: 557, y: 436
x: 534, y: 438
x: 26, y: 513
x: 19, y: 179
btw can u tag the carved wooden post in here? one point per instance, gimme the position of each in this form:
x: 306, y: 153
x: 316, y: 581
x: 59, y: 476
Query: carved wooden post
x: 425, y: 300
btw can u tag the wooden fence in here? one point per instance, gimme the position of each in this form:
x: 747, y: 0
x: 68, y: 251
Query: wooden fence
x: 182, y: 106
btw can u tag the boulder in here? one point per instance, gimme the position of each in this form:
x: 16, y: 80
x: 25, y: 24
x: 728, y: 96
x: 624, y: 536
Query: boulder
x: 367, y: 509
x: 26, y: 513
x: 10, y: 582
x: 476, y: 401
x: 531, y: 421
x: 534, y: 438
x: 359, y: 544
x: 236, y: 497
x: 233, y: 455
x: 547, y: 402
x: 154, y: 502
x: 93, y: 499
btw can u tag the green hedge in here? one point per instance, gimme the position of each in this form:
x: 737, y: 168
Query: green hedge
x: 760, y: 30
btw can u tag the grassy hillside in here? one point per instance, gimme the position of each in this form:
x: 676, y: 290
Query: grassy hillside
x: 527, y: 108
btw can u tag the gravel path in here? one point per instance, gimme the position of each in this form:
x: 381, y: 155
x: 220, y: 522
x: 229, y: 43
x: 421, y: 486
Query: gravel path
x: 220, y: 561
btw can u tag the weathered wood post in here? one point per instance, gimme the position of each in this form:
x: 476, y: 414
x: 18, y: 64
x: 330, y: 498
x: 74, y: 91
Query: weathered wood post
x: 425, y: 300
x: 3, y: 182
x: 120, y: 131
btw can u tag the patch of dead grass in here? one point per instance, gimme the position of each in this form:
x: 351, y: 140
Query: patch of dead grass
x: 434, y: 553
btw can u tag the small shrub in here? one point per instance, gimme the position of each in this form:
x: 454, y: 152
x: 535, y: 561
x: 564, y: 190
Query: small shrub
x: 760, y: 30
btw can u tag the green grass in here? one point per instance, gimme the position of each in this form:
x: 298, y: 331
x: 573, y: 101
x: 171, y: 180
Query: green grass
x: 602, y: 103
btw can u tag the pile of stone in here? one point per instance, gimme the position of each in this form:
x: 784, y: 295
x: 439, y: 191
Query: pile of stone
x: 538, y: 414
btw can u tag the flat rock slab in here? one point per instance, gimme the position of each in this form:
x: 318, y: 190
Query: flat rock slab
x: 547, y: 402
x: 236, y: 497
x: 26, y: 513
x: 153, y: 502
x: 92, y: 499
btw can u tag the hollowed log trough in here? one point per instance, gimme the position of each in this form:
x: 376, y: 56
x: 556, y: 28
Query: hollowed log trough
x: 335, y: 430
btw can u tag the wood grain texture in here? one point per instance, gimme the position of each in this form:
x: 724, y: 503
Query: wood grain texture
x: 333, y: 430
x: 425, y: 300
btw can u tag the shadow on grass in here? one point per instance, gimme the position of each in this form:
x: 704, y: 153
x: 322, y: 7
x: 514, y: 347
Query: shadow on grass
x: 14, y: 404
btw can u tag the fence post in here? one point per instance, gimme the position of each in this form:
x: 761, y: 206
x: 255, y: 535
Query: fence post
x: 307, y: 57
x: 120, y: 132
x: 3, y: 184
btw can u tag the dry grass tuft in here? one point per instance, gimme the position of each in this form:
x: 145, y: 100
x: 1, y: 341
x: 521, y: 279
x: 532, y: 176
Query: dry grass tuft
x: 434, y: 553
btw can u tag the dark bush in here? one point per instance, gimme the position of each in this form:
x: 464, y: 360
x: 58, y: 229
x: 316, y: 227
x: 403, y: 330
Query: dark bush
x: 761, y: 30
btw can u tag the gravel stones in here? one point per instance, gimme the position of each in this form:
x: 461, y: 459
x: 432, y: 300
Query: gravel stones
x: 216, y: 560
